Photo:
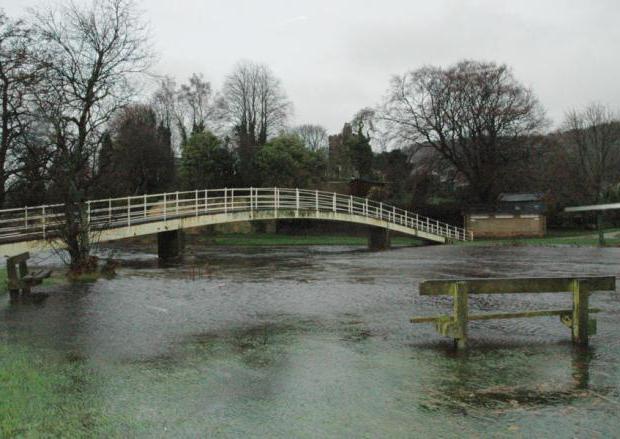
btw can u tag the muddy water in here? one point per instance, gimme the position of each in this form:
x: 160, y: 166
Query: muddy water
x: 315, y: 342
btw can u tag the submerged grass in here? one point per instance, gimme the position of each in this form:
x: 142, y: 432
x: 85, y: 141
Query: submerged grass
x: 43, y: 396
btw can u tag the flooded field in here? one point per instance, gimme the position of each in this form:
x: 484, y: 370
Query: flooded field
x: 307, y: 342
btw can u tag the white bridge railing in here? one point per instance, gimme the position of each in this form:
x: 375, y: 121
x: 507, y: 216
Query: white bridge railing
x: 42, y: 222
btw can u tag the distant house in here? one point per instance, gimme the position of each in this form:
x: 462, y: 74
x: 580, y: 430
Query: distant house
x: 514, y: 215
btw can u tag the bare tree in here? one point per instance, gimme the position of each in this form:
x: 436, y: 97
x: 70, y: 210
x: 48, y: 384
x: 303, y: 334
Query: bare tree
x: 255, y: 106
x: 164, y: 102
x: 18, y: 76
x: 93, y: 52
x: 475, y: 114
x: 594, y: 137
x: 313, y: 136
x: 195, y: 104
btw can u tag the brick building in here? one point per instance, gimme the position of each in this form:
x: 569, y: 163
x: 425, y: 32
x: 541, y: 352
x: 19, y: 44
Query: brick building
x: 514, y: 215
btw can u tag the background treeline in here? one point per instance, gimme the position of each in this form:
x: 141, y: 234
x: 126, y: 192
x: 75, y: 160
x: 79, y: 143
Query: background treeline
x: 78, y: 121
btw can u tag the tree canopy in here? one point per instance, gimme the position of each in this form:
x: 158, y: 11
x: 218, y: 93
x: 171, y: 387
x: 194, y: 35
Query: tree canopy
x: 475, y: 114
x: 206, y: 162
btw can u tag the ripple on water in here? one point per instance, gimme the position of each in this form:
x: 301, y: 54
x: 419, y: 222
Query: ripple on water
x: 316, y: 341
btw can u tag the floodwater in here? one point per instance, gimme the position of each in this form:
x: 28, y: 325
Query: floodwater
x: 311, y: 342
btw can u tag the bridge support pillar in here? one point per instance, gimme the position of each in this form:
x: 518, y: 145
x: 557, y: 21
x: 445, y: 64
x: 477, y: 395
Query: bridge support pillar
x: 170, y: 244
x: 378, y: 239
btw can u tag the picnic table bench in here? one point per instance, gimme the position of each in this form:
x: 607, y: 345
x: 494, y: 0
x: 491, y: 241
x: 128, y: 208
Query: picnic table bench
x: 576, y: 318
x: 19, y: 279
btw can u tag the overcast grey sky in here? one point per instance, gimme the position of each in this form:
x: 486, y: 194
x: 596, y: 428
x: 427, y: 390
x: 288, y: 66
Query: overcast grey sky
x: 336, y: 56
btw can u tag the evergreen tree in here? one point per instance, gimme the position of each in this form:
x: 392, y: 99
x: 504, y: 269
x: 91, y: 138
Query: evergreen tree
x: 206, y: 162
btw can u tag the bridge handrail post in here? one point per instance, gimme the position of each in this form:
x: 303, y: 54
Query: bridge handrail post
x: 394, y: 214
x: 316, y: 201
x: 196, y: 199
x: 251, y: 201
x: 366, y: 207
x: 88, y: 213
x: 206, y: 200
x: 128, y: 211
x: 297, y: 200
x: 26, y: 218
x: 43, y: 220
x: 381, y: 211
x: 334, y: 203
x: 406, y: 220
x: 165, y: 207
x: 232, y: 199
x: 176, y: 200
x: 145, y: 203
x: 225, y: 200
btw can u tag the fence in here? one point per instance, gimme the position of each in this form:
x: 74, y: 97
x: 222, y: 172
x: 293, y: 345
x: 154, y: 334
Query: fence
x: 42, y: 222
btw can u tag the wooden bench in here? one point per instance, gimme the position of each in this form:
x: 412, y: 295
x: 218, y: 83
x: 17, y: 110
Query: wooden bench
x: 19, y: 279
x: 577, y: 318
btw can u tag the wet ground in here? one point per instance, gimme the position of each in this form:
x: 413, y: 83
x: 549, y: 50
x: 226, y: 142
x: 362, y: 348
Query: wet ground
x: 308, y: 342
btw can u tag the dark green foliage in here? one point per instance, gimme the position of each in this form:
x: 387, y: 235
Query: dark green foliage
x: 286, y: 162
x: 395, y: 169
x: 136, y: 158
x: 361, y: 154
x: 206, y: 162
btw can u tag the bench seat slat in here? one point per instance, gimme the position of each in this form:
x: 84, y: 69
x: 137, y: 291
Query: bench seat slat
x: 517, y: 285
x: 37, y: 275
x: 505, y: 315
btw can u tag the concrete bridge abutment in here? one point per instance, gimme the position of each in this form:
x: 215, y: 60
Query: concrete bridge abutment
x: 170, y: 244
x: 379, y: 239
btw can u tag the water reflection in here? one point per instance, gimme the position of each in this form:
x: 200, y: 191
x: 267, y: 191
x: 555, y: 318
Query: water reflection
x: 505, y: 380
x: 581, y: 359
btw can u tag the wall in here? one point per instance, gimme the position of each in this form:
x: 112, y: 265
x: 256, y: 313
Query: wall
x: 506, y: 226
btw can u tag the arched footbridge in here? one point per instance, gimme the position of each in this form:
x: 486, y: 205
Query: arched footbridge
x: 36, y: 228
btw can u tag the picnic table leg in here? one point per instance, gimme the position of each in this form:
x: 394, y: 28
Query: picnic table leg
x: 12, y: 279
x: 460, y: 313
x: 580, y: 313
x: 23, y: 271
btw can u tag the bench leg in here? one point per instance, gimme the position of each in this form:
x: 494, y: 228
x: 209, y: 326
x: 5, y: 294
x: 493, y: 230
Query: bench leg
x: 460, y: 313
x: 580, y: 313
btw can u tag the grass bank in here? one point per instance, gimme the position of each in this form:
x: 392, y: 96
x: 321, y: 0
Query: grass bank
x: 265, y: 239
x: 573, y: 238
x: 44, y: 394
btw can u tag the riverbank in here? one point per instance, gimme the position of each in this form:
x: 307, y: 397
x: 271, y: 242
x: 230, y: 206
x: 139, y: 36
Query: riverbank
x: 199, y: 238
x: 574, y: 238
x: 266, y: 239
x: 554, y: 238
